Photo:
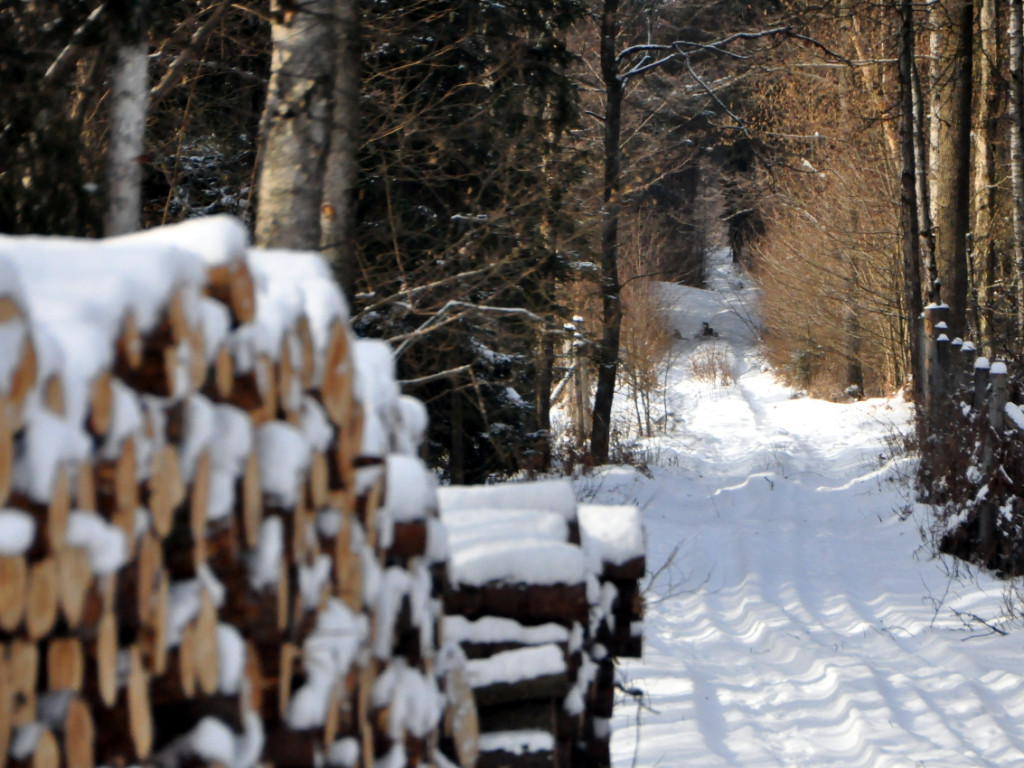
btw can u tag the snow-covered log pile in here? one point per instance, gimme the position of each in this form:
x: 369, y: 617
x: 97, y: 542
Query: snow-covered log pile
x: 217, y: 543
x: 542, y: 594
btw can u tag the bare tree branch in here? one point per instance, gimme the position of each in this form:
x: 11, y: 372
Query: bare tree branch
x: 66, y: 56
x: 176, y: 70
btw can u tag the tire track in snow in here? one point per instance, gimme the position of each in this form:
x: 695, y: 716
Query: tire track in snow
x: 813, y: 641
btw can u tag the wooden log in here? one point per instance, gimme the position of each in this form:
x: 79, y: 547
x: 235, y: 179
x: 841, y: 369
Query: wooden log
x: 65, y: 664
x: 528, y: 603
x: 23, y: 657
x: 221, y: 377
x: 183, y: 552
x: 307, y: 353
x: 42, y: 600
x: 101, y: 662
x: 198, y: 369
x: 116, y: 486
x: 85, y: 486
x: 22, y: 382
x: 255, y: 682
x: 366, y: 676
x: 205, y: 646
x: 101, y: 404
x: 6, y: 452
x: 539, y: 688
x: 232, y: 285
x: 6, y: 701
x: 174, y: 325
x: 137, y: 582
x: 79, y: 739
x: 342, y: 463
x: 45, y: 752
x: 75, y: 582
x: 336, y: 386
x: 127, y: 733
x: 156, y: 373
x: 164, y: 490
x: 53, y: 394
x: 51, y: 516
x: 198, y: 504
x: 290, y: 658
x: 178, y: 679
x: 520, y: 716
x: 128, y: 347
x: 317, y: 485
x: 154, y: 638
x: 410, y: 539
x: 255, y: 390
x: 249, y: 497
x: 369, y: 502
x: 461, y: 718
x: 348, y: 568
x: 633, y: 569
x: 13, y: 590
x: 289, y: 387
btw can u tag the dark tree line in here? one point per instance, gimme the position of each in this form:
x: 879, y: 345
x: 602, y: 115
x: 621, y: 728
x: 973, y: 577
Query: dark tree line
x: 464, y: 165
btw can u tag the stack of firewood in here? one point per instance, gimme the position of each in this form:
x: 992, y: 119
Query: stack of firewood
x: 217, y: 543
x: 219, y: 546
x: 542, y: 594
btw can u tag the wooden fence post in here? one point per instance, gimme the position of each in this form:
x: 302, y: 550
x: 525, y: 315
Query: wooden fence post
x: 965, y: 368
x: 935, y: 316
x: 981, y: 369
x: 996, y: 420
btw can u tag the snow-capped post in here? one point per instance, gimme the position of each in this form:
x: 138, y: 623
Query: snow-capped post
x: 934, y: 326
x: 981, y: 369
x: 965, y: 364
x: 994, y: 437
x: 997, y: 400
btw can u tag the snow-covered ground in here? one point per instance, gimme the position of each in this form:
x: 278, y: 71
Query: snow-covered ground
x: 794, y: 619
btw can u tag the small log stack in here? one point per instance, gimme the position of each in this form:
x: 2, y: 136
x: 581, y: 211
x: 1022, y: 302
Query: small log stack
x: 542, y: 594
x: 219, y: 545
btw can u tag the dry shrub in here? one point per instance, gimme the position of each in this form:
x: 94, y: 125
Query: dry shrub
x: 645, y: 347
x: 711, y: 364
x: 829, y: 259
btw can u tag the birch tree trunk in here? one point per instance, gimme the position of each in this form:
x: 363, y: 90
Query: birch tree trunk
x: 985, y: 136
x: 337, y: 209
x: 296, y: 123
x: 922, y: 155
x: 129, y: 101
x: 1016, y: 113
x: 611, y: 315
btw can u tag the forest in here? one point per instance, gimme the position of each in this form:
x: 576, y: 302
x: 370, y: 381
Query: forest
x: 500, y: 187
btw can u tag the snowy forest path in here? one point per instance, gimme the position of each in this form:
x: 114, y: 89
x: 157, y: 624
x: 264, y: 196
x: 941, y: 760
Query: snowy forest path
x: 794, y: 617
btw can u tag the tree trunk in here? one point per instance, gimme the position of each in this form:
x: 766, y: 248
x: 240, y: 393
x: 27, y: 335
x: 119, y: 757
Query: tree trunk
x: 922, y: 153
x: 295, y: 125
x: 129, y: 100
x: 908, y: 199
x: 1016, y: 110
x: 985, y: 138
x: 337, y: 210
x: 611, y: 315
x: 952, y: 181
